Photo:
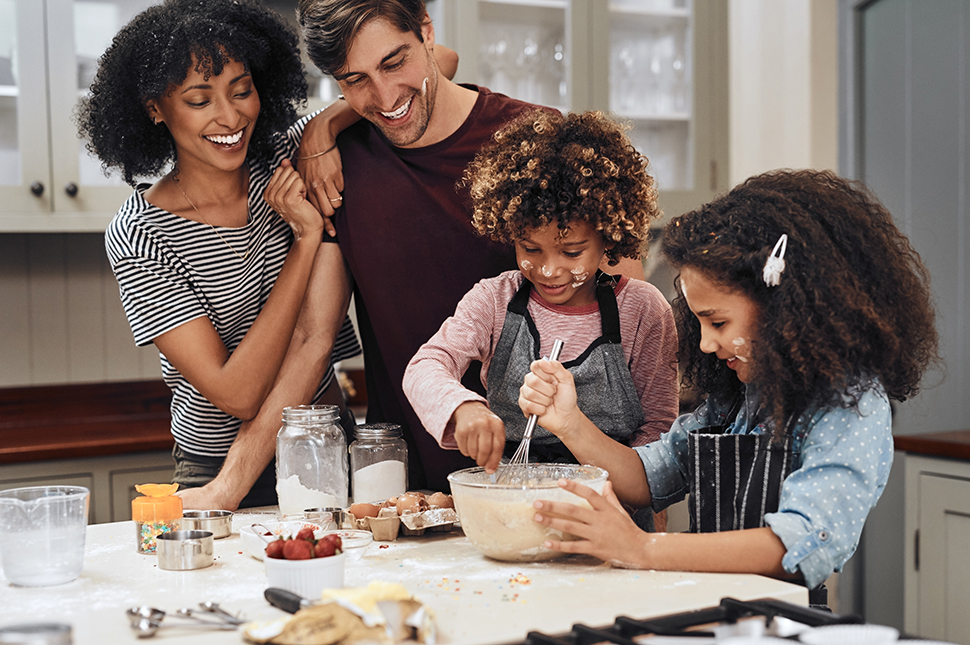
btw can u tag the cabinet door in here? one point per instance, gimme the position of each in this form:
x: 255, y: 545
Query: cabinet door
x: 24, y: 143
x: 944, y: 558
x: 78, y: 33
x: 518, y: 48
x: 660, y: 65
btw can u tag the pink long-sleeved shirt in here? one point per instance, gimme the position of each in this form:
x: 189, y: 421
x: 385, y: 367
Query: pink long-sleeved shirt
x: 432, y: 381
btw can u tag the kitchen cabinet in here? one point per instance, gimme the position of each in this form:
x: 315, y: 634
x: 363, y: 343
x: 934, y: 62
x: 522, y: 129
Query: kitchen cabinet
x: 111, y: 479
x: 48, y: 56
x: 937, y: 546
x: 660, y: 65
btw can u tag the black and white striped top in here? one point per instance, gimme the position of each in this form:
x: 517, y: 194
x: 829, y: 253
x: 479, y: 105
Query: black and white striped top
x: 171, y: 270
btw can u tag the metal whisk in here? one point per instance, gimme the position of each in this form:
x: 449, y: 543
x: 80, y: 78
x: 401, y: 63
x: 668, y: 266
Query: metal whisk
x: 521, y: 456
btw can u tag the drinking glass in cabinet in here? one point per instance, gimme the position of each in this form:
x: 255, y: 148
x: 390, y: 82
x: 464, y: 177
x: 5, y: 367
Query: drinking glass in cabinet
x: 522, y: 51
x: 651, y: 82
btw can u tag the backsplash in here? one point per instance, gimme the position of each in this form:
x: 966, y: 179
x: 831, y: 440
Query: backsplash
x: 61, y: 319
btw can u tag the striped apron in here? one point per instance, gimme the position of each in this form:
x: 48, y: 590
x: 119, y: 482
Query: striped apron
x: 735, y: 478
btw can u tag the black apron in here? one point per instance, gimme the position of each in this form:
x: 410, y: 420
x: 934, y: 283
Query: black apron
x: 735, y: 480
x: 605, y: 391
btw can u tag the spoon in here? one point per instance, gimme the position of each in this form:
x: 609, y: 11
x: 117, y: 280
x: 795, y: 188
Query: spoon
x: 146, y: 621
x: 214, y: 607
x: 186, y: 612
x: 263, y: 533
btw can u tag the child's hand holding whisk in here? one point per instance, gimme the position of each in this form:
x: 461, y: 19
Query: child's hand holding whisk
x: 548, y: 391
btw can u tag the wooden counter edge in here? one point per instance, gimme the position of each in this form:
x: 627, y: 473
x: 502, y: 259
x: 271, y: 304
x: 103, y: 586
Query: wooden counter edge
x: 954, y: 444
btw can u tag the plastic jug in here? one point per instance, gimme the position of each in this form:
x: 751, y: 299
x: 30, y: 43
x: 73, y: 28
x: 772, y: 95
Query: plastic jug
x: 42, y: 531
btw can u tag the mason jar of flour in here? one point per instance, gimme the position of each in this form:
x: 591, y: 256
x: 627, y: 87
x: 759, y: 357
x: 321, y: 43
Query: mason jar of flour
x: 311, y: 459
x: 378, y: 462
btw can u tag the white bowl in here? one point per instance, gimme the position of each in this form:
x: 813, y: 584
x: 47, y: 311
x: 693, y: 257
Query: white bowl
x: 255, y: 543
x: 306, y: 578
x: 498, y: 518
x: 354, y: 542
x: 850, y: 635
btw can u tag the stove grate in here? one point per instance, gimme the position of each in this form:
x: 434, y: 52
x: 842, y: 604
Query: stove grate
x: 624, y: 629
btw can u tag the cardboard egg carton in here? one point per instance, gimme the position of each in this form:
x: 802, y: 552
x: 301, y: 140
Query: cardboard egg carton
x: 388, y: 524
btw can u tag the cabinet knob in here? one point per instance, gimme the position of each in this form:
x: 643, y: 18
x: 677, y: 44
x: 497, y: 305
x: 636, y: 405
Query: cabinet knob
x: 37, y: 188
x: 71, y: 189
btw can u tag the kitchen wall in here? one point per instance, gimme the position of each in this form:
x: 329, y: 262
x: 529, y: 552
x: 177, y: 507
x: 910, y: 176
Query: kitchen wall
x: 783, y: 85
x: 61, y: 320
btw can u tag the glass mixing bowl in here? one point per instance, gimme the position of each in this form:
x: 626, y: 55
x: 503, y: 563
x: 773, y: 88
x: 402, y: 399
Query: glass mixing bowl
x: 497, y: 517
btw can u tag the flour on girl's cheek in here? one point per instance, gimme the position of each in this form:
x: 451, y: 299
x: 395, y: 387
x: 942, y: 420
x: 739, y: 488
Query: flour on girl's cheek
x: 526, y: 265
x: 738, y: 344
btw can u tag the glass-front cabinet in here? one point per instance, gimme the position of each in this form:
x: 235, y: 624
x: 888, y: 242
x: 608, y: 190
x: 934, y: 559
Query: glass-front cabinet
x: 48, y: 56
x: 659, y: 65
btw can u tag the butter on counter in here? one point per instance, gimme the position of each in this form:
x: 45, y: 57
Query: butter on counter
x: 381, y: 612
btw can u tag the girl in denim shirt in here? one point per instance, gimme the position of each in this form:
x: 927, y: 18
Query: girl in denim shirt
x: 802, y: 311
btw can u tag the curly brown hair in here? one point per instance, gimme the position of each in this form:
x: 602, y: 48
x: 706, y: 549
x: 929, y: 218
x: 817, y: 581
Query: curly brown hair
x: 153, y: 53
x: 546, y: 167
x: 853, y: 305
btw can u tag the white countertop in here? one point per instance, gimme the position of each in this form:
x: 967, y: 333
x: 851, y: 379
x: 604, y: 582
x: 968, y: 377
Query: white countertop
x: 476, y: 601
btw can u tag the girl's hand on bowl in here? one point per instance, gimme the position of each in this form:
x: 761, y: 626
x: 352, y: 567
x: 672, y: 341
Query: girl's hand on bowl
x: 605, y: 531
x: 287, y: 195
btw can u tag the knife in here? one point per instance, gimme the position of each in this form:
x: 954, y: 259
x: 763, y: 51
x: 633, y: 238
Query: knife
x: 287, y: 600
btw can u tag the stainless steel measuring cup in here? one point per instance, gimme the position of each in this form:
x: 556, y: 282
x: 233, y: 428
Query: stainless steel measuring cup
x: 184, y: 550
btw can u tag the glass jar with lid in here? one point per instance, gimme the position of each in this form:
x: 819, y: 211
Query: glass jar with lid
x: 311, y: 459
x: 379, y: 462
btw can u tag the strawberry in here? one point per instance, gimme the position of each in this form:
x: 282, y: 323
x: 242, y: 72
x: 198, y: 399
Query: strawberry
x: 324, y: 549
x: 297, y: 550
x: 275, y: 549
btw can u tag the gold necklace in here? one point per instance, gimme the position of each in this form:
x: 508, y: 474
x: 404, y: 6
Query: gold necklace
x: 214, y: 229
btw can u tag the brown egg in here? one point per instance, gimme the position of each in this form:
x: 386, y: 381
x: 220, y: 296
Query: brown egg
x: 390, y: 502
x: 364, y: 510
x: 440, y: 500
x: 411, y: 502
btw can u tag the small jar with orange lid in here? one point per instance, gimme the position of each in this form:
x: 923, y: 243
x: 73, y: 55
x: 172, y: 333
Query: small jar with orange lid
x: 157, y: 511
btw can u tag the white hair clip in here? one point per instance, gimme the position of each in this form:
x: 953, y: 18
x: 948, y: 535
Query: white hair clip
x: 775, y: 264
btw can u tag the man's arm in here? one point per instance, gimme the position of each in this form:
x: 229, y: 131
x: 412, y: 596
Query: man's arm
x: 307, y: 357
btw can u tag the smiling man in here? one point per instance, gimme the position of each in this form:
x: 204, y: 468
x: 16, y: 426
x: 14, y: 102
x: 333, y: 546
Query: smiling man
x: 405, y: 225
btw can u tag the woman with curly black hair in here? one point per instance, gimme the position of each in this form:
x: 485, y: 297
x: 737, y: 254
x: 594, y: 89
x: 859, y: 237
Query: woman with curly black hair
x: 802, y: 311
x: 567, y: 192
x: 214, y: 259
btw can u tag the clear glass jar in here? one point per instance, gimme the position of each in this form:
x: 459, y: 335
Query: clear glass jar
x: 311, y: 459
x: 379, y: 462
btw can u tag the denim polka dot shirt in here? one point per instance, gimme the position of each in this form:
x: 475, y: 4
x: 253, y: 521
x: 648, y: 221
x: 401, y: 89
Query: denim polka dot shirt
x: 840, y: 463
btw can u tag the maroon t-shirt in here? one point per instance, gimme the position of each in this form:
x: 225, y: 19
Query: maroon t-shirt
x: 405, y: 231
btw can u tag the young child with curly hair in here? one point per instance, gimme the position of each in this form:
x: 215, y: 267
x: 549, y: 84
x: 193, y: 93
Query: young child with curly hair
x: 565, y: 191
x: 802, y: 312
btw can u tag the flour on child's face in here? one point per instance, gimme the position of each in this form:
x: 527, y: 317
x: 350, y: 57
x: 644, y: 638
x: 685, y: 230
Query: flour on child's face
x: 557, y: 262
x: 580, y: 276
x: 728, y: 320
